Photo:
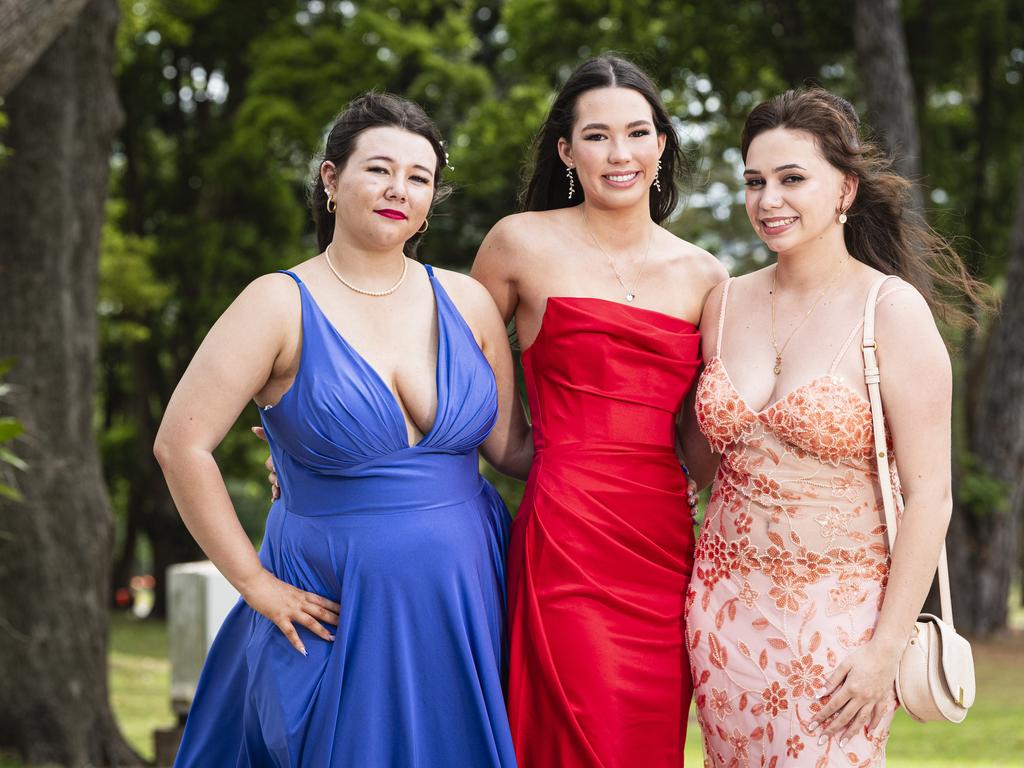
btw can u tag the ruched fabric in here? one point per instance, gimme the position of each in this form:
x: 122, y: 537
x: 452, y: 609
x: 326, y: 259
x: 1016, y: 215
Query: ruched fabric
x: 602, y: 548
x: 410, y: 540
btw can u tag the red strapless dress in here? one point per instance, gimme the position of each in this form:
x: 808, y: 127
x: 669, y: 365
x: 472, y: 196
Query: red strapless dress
x: 602, y: 548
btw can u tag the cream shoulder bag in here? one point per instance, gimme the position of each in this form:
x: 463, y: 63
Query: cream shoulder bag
x: 935, y: 680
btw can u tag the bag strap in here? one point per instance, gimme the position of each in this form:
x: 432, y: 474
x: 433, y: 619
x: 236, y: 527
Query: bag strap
x: 872, y: 377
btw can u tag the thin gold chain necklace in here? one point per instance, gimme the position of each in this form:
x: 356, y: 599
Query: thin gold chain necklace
x: 347, y: 284
x: 630, y: 293
x: 824, y: 292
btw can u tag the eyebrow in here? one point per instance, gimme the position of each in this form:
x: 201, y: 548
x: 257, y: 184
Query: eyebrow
x: 788, y: 166
x: 387, y: 159
x: 603, y: 127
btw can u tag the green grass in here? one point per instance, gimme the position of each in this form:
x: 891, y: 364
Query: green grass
x: 140, y: 679
x: 991, y: 737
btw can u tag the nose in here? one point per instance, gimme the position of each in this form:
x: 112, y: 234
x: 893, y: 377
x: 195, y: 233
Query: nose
x: 397, y: 189
x: 618, y: 151
x: 771, y: 197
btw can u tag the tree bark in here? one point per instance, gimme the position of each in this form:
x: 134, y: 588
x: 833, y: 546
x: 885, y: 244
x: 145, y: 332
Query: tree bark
x: 55, y: 547
x: 988, y: 540
x: 27, y: 28
x: 885, y: 74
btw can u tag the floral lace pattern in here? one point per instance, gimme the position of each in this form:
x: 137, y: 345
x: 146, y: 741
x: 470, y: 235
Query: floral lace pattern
x: 790, y: 571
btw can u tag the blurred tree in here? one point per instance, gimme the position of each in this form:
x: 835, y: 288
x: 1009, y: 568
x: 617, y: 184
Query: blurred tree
x: 56, y: 543
x: 226, y: 105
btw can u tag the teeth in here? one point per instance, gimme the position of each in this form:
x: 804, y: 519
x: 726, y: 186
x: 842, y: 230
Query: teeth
x: 623, y: 177
x: 779, y: 223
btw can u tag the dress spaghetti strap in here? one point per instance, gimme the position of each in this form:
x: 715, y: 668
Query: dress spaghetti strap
x: 721, y: 317
x: 855, y: 333
x: 290, y: 274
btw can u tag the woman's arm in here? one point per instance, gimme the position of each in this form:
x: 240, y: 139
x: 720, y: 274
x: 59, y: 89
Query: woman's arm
x: 494, y: 267
x: 917, y: 395
x: 509, y: 446
x: 236, y: 361
x: 700, y: 458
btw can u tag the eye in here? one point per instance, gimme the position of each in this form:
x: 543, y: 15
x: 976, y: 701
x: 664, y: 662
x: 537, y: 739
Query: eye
x: 420, y: 179
x: 793, y: 178
x: 754, y: 183
x: 378, y: 169
x: 595, y: 137
x: 640, y: 132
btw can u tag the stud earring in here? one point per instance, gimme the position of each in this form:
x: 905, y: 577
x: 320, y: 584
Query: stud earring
x: 842, y: 218
x: 572, y: 183
x: 657, y: 177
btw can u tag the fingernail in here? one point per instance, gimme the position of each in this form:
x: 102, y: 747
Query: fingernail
x: 823, y: 739
x: 331, y: 638
x: 303, y: 651
x: 813, y: 726
x: 842, y: 742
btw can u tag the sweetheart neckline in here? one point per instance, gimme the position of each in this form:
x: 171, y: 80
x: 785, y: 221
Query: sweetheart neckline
x: 630, y: 307
x: 861, y: 400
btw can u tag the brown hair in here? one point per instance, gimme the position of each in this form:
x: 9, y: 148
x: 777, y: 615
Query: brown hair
x: 547, y: 187
x: 372, y: 110
x: 885, y: 231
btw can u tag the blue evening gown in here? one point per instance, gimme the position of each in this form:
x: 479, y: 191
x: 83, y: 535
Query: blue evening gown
x: 410, y: 540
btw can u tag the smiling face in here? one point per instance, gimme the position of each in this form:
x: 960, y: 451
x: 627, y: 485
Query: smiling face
x: 385, y: 189
x: 794, y: 194
x: 614, y: 147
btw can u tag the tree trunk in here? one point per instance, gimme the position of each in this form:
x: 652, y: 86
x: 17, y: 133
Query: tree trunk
x: 55, y: 547
x: 987, y: 537
x: 27, y: 28
x: 885, y: 74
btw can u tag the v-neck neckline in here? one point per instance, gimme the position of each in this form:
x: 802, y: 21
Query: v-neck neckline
x: 392, y: 396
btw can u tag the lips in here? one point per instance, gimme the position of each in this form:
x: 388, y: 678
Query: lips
x: 390, y: 213
x: 776, y: 225
x: 622, y: 178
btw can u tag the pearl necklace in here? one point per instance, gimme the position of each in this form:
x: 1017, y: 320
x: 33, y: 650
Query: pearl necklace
x: 363, y: 291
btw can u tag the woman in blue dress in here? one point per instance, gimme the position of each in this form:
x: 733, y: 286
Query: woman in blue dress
x: 370, y: 630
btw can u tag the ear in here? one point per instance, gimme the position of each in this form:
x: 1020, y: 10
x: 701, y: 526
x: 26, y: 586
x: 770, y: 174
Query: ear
x: 565, y: 151
x: 328, y: 174
x: 849, y: 192
x: 662, y: 138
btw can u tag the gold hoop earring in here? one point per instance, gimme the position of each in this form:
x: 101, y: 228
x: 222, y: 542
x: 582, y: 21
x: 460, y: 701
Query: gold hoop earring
x: 423, y: 228
x: 331, y: 205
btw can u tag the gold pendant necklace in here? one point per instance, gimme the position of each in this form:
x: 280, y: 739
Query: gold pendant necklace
x: 630, y: 292
x: 363, y: 291
x: 777, y: 369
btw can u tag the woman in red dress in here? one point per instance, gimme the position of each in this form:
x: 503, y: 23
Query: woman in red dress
x: 606, y: 303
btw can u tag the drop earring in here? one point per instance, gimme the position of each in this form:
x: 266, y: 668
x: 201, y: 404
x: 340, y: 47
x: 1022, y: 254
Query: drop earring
x: 572, y: 183
x: 657, y: 177
x: 842, y: 218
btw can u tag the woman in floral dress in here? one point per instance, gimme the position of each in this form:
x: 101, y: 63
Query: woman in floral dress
x: 796, y: 616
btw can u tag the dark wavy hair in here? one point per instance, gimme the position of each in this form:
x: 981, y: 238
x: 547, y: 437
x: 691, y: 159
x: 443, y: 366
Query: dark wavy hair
x: 372, y: 110
x: 548, y: 188
x: 884, y: 230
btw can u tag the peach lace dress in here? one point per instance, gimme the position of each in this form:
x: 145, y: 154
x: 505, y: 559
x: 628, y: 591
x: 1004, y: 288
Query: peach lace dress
x: 790, y: 568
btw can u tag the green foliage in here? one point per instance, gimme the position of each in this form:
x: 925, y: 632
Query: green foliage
x: 228, y: 103
x: 10, y: 428
x: 978, y: 492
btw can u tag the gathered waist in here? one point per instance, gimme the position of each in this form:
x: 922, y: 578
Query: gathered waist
x: 405, y: 482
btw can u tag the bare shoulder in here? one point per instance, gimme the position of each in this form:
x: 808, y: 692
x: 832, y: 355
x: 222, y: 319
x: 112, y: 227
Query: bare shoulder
x: 275, y: 294
x: 472, y: 300
x: 902, y: 314
x: 517, y: 232
x: 699, y: 265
